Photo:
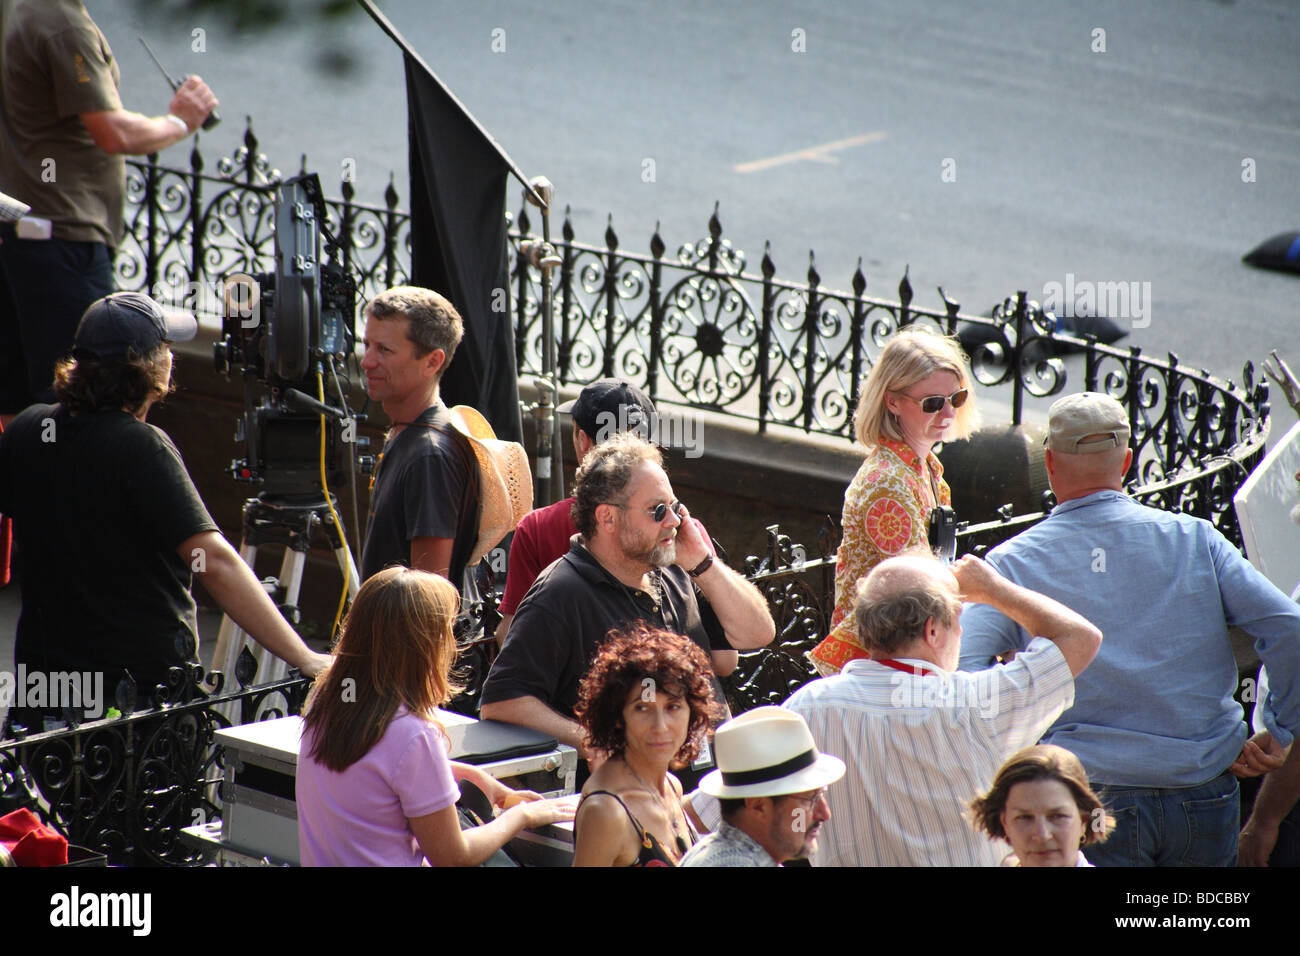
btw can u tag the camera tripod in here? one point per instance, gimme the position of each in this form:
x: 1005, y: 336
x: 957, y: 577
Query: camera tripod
x: 292, y: 523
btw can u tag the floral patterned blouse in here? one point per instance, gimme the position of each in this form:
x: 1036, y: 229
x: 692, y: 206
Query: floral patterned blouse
x: 886, y: 511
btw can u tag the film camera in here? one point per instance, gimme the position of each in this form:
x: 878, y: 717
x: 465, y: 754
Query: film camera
x: 290, y: 333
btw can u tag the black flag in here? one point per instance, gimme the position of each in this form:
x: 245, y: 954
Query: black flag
x: 458, y: 245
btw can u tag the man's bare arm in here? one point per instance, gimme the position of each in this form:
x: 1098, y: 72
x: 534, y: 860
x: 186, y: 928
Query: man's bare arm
x: 1277, y: 795
x: 534, y: 713
x: 432, y: 555
x: 123, y: 131
x: 724, y: 662
x: 503, y: 629
x: 1038, y: 614
x: 740, y: 607
x: 234, y: 587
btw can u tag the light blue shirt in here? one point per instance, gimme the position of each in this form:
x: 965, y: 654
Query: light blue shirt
x: 1155, y: 708
x: 728, y: 846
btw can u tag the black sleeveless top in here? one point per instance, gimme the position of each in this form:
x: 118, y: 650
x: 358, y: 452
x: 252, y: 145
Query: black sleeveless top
x: 652, y: 851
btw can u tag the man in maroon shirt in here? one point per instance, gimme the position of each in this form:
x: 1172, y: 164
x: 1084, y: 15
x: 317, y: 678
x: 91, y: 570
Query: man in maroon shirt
x: 605, y: 408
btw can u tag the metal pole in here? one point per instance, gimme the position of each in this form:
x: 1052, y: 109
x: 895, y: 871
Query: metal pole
x: 549, y: 486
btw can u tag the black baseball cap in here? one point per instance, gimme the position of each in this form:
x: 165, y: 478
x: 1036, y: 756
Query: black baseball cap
x: 123, y: 323
x: 626, y: 405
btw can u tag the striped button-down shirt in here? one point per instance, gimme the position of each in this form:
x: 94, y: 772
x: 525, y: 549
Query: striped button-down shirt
x: 919, y: 748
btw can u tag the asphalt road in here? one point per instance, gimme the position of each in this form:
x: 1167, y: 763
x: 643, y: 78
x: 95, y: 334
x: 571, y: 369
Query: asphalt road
x: 992, y: 147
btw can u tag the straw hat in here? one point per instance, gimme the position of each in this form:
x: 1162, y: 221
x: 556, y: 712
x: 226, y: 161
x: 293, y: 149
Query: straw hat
x: 768, y: 752
x: 505, y: 481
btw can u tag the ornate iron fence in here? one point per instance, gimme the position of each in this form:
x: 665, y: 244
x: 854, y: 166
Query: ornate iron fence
x: 126, y: 786
x: 688, y: 330
x: 187, y: 228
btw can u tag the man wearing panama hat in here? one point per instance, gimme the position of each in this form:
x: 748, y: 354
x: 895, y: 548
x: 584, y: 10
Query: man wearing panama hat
x: 771, y: 783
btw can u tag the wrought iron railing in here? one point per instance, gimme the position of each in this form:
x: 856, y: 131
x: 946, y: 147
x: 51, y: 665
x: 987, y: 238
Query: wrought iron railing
x: 126, y: 786
x: 187, y: 228
x: 695, y: 330
x: 698, y: 331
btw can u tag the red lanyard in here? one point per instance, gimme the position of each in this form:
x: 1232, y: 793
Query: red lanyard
x: 900, y: 666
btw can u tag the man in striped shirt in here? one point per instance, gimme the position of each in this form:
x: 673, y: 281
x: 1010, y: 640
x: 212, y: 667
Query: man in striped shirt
x: 921, y: 741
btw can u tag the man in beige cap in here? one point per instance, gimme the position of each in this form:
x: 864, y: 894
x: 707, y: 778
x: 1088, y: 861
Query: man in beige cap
x: 771, y: 783
x: 1154, y: 720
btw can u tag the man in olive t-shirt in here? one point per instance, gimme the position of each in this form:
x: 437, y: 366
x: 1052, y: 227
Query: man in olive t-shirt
x: 63, y: 133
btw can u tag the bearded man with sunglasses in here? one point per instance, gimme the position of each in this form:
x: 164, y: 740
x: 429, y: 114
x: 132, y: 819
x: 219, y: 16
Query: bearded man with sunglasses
x: 637, y: 556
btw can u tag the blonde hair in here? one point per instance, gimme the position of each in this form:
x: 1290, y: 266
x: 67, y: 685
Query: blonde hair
x: 910, y: 356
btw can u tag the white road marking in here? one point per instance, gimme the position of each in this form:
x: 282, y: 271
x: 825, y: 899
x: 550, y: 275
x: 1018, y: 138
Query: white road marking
x: 817, y: 154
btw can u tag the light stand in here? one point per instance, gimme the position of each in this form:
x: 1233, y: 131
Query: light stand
x: 549, y: 482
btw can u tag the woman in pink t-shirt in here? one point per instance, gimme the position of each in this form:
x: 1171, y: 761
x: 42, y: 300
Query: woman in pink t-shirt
x: 375, y: 785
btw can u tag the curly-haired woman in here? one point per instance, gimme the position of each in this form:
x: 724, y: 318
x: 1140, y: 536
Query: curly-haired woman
x: 646, y: 704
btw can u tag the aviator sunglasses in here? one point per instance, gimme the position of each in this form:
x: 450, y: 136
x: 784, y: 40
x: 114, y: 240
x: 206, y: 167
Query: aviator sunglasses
x: 659, y: 512
x: 934, y: 403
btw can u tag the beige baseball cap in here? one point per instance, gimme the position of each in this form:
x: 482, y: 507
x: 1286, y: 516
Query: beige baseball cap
x: 1087, y: 423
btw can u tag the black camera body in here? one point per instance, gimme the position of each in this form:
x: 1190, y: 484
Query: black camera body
x: 290, y: 332
x: 943, y: 532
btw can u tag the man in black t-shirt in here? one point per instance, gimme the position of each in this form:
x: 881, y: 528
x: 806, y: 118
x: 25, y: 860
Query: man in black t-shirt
x: 423, y: 497
x: 636, y: 557
x: 108, y: 526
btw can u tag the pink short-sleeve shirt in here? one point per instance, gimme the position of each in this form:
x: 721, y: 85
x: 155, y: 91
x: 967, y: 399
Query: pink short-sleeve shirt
x: 359, y: 817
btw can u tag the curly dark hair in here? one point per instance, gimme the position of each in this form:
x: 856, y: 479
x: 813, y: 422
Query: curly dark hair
x: 625, y: 659
x: 89, y: 383
x: 604, y: 475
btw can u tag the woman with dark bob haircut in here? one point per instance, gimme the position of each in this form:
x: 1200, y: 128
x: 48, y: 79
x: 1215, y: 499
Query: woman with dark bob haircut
x: 375, y: 785
x: 645, y: 704
x: 1042, y: 805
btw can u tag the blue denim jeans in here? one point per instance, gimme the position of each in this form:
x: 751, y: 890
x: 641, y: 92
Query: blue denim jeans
x: 1190, y: 826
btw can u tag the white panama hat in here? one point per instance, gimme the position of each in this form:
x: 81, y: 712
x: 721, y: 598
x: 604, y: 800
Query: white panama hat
x: 768, y: 752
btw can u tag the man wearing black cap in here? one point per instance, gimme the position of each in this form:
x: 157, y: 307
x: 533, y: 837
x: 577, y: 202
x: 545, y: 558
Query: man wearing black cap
x: 605, y: 408
x: 109, y: 527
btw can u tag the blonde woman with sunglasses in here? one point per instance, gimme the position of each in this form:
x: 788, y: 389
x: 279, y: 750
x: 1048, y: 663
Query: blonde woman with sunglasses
x: 917, y: 395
